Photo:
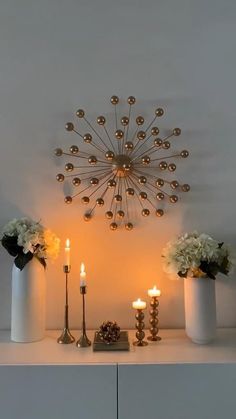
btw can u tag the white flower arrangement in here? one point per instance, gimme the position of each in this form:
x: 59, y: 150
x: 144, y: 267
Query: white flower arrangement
x: 197, y: 255
x: 25, y: 239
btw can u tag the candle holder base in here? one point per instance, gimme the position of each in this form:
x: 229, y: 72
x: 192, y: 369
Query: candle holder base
x: 154, y: 338
x: 83, y: 342
x: 66, y: 337
x: 141, y: 343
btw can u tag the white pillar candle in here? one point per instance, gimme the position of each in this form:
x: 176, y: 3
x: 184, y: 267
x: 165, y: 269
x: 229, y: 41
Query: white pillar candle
x: 139, y: 304
x: 67, y: 253
x: 82, y: 275
x: 154, y: 292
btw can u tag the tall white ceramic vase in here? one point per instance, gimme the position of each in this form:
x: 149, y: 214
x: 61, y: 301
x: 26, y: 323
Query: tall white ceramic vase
x: 200, y: 309
x: 28, y: 302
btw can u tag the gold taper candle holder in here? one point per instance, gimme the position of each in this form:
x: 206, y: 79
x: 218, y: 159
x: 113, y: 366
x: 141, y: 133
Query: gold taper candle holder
x: 83, y: 341
x: 154, y: 320
x: 140, y: 334
x: 66, y: 337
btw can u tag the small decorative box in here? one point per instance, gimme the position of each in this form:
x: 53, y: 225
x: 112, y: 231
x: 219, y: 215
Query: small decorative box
x: 121, y: 345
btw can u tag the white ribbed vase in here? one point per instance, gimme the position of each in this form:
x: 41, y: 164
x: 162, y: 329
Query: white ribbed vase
x: 28, y: 302
x: 200, y: 309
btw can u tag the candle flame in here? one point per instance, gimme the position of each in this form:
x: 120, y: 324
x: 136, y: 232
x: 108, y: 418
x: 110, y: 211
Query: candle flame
x: 82, y: 268
x: 155, y: 287
x: 68, y: 243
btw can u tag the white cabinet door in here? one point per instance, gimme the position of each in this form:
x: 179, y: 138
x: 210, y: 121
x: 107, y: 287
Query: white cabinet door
x: 205, y: 391
x: 58, y: 392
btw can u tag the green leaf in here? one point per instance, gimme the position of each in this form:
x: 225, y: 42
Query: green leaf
x: 43, y: 262
x: 10, y: 244
x: 22, y: 259
x: 182, y: 275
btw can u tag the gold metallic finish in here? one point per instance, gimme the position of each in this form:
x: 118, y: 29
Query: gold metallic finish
x: 159, y: 112
x: 92, y: 160
x: 158, y: 142
x: 160, y: 196
x: 141, y: 135
x: 139, y: 120
x: 173, y: 199
x: 109, y: 155
x: 66, y: 336
x: 172, y: 167
x: 114, y: 100
x: 130, y: 192
x: 69, y: 126
x: 69, y: 167
x: 119, y: 134
x: 131, y: 100
x: 58, y: 152
x: 121, y: 165
x: 76, y: 181
x: 83, y: 341
x: 142, y: 180
x: 85, y: 200
x: 101, y: 120
x: 60, y: 177
x: 154, y: 330
x: 184, y: 154
x: 143, y: 196
x: 111, y: 183
x: 185, y: 187
x: 109, y: 215
x: 94, y: 181
x: 140, y: 325
x: 100, y: 202
x: 87, y: 216
x: 74, y: 149
x: 80, y: 113
x: 166, y: 145
x: 174, y: 184
x: 159, y: 212
x: 113, y: 226
x: 155, y: 131
x: 87, y: 138
x: 129, y: 226
x: 124, y: 121
x: 68, y: 199
x: 120, y: 214
x: 129, y: 145
x: 160, y: 183
x: 118, y: 198
x: 163, y: 165
x: 145, y: 212
x: 176, y: 131
x: 146, y: 160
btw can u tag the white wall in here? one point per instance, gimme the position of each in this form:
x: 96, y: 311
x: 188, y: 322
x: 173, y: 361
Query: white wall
x: 57, y: 56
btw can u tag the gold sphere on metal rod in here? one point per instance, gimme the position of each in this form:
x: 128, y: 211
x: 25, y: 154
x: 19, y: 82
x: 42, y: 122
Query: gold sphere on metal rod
x: 114, y: 100
x: 172, y: 167
x: 145, y: 212
x: 124, y: 120
x: 69, y: 126
x: 68, y: 199
x: 142, y: 180
x: 174, y: 184
x: 74, y: 149
x: 185, y: 187
x: 113, y: 226
x: 100, y: 202
x: 184, y: 154
x: 140, y: 120
x: 111, y: 183
x: 166, y: 145
x: 87, y: 138
x: 155, y: 130
x: 109, y: 215
x: 173, y: 199
x: 101, y: 120
x: 87, y: 216
x: 141, y: 135
x: 58, y: 152
x: 160, y: 196
x: 176, y: 131
x: 163, y: 165
x: 129, y: 226
x: 76, y: 181
x: 120, y: 214
x: 160, y: 182
x: 94, y: 181
x: 129, y: 145
x: 80, y: 113
x: 85, y: 200
x: 131, y: 100
x: 142, y: 195
x: 92, y: 160
x: 146, y: 160
x: 109, y: 155
x: 158, y: 142
x: 69, y: 167
x: 159, y: 212
x: 129, y: 192
x: 159, y: 112
x: 119, y: 134
x: 60, y: 177
x: 118, y: 198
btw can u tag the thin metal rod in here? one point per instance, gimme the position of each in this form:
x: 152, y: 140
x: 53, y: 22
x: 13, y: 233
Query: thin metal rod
x: 108, y: 136
x: 143, y: 142
x: 107, y: 175
x: 95, y: 132
x: 149, y: 125
x: 167, y: 157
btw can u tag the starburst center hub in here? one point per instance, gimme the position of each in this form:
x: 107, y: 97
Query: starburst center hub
x: 122, y: 165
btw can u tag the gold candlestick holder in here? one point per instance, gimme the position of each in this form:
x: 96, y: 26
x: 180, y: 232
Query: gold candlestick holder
x: 154, y: 320
x: 83, y: 341
x: 140, y: 334
x: 66, y: 337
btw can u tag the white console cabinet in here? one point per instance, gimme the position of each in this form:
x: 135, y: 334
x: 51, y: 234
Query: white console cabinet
x: 173, y: 379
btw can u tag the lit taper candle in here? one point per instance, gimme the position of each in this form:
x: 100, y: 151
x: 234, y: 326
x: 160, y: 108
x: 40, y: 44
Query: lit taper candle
x: 67, y: 253
x: 82, y: 275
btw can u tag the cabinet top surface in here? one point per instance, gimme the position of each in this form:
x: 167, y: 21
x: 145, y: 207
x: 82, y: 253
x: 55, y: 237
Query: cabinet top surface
x: 174, y: 348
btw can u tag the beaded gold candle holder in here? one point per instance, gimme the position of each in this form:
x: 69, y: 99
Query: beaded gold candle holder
x: 140, y: 334
x: 83, y: 341
x: 154, y: 320
x: 66, y: 337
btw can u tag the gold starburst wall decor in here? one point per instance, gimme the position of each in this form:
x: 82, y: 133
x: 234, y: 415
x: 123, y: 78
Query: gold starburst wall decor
x: 124, y: 159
